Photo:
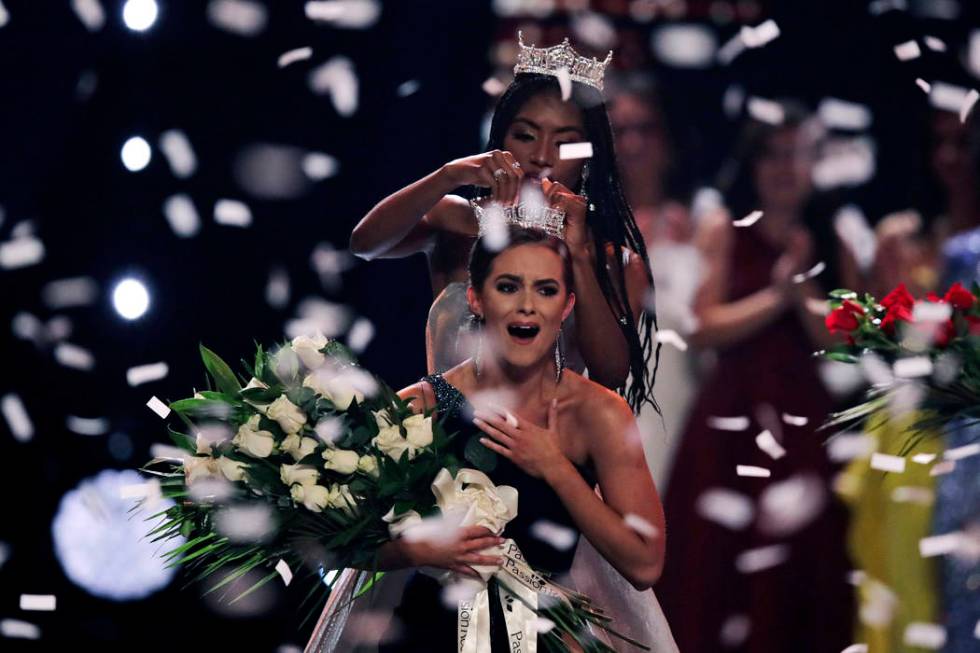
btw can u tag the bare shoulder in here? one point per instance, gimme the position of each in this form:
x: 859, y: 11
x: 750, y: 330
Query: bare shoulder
x: 420, y: 396
x: 601, y: 411
x: 452, y: 213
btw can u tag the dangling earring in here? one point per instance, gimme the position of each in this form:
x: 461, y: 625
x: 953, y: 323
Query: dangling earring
x: 559, y: 356
x: 477, y: 359
x: 585, y: 179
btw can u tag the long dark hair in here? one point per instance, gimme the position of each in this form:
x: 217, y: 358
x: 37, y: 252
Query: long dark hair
x: 610, y: 220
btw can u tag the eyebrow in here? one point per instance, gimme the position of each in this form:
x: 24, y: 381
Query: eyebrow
x: 519, y: 279
x: 560, y: 130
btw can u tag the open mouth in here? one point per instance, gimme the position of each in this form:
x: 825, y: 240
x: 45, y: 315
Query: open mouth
x: 523, y: 333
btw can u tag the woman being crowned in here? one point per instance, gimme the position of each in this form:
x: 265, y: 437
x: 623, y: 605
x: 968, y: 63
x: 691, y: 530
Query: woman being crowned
x: 559, y: 436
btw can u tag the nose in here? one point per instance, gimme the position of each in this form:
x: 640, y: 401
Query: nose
x: 526, y: 306
x: 542, y: 154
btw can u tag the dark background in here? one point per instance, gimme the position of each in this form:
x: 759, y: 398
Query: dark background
x: 60, y: 169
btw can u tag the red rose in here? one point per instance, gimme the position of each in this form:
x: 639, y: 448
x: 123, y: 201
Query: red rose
x: 945, y: 333
x: 896, y: 313
x: 844, y: 318
x: 934, y: 298
x: 959, y: 297
x: 900, y: 296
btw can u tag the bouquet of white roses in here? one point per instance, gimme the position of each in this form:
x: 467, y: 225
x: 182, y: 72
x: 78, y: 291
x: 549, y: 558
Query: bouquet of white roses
x: 337, y: 465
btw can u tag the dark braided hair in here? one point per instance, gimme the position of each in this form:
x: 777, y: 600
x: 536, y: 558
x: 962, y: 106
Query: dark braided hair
x: 610, y: 220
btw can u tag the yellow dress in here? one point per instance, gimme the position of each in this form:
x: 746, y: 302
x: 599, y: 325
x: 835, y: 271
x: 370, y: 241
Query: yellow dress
x: 890, y: 513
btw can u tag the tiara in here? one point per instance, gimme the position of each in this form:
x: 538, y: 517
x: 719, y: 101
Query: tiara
x: 548, y: 61
x: 525, y: 216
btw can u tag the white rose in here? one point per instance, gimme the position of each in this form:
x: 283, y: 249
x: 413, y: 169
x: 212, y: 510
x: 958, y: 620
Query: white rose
x: 341, y: 460
x: 203, y: 445
x: 333, y: 386
x: 474, y: 495
x: 382, y: 419
x: 341, y: 497
x: 298, y: 474
x: 313, y: 497
x: 368, y: 465
x: 287, y: 414
x: 390, y: 441
x: 256, y: 443
x: 197, y: 467
x: 308, y: 349
x: 419, y: 430
x: 233, y: 470
x: 298, y: 447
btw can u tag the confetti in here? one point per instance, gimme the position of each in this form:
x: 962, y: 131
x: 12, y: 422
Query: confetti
x: 38, y: 602
x: 853, y: 230
x: 934, y: 43
x: 140, y: 490
x: 887, y: 463
x: 726, y: 507
x: 238, y: 16
x: 640, y: 525
x: 690, y: 46
x: 923, y: 311
x: 182, y: 215
x: 735, y: 630
x: 811, y: 273
x: 732, y: 100
x: 758, y: 36
x: 493, y: 86
x: 564, y: 83
x: 594, y: 30
x: 671, y: 337
x: 969, y: 102
x: 795, y: 420
x: 360, y: 335
x: 728, y: 423
x: 146, y: 373
x: 752, y: 471
x: 907, y: 51
x: 18, y: 421
x: 923, y: 458
x: 766, y: 111
x: 540, y: 625
x: 559, y: 537
x: 761, y: 558
x: 937, y: 545
x: 945, y: 467
x: 789, y: 506
x: 768, y: 444
x: 15, y: 628
x: 973, y: 53
x: 841, y: 114
x: 845, y: 162
x: 90, y: 12
x: 856, y: 648
x: 337, y: 79
x: 923, y: 84
x: 232, y: 213
x: 878, y: 607
x: 348, y: 14
x: 568, y: 151
x: 74, y: 356
x: 407, y: 88
x: 912, y: 367
x: 245, y: 523
x: 959, y: 453
x: 732, y: 49
x: 75, y: 291
x: 178, y: 152
x: 277, y: 288
x: 330, y: 263
x: 158, y: 407
x: 922, y: 496
x: 748, y: 220
x: 284, y: 571
x: 292, y: 56
x: 4, y: 553
x: 848, y: 446
x: 87, y: 425
x: 319, y: 166
x: 925, y: 635
x: 948, y: 97
x: 21, y: 252
x: 168, y: 452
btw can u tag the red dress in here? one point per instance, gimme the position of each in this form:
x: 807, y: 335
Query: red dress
x: 804, y: 603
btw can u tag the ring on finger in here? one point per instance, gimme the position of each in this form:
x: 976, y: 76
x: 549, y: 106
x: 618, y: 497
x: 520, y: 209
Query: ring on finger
x: 499, y: 174
x: 515, y: 165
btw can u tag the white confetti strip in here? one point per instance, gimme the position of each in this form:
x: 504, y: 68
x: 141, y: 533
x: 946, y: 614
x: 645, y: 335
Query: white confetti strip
x: 146, y: 373
x: 17, y: 418
x: 232, y: 213
x: 244, y: 523
x: 811, y: 273
x: 284, y: 571
x: 540, y: 625
x: 38, y: 602
x: 768, y: 444
x: 758, y: 36
x: 959, y: 453
x: 575, y: 151
x: 90, y: 12
x: 925, y: 635
x: 21, y: 252
x: 857, y: 235
x: 564, y: 83
x: 934, y: 43
x: 856, y: 648
x: 766, y: 111
x: 945, y: 467
x: 558, y: 536
x: 319, y: 166
x: 761, y: 558
x: 923, y: 458
x: 26, y: 326
x: 948, y: 97
x: 748, y: 220
x: 277, y: 288
x: 923, y: 84
x: 74, y: 291
x: 739, y: 423
x: 923, y: 311
x: 140, y: 490
x: 887, y: 463
x: 938, y: 545
x: 752, y: 471
x: 15, y: 628
x: 409, y: 87
x: 349, y: 14
x: 671, y: 337
x: 493, y: 86
x: 241, y: 17
x: 912, y: 367
x: 907, y: 51
x: 690, y: 45
x: 182, y: 215
x: 845, y: 161
x: 973, y: 53
x: 795, y: 420
x: 168, y: 452
x: 841, y: 114
x: 87, y: 425
x: 360, y: 335
x: 922, y: 496
x: 640, y: 525
x: 4, y: 15
x: 158, y: 407
x: 969, y: 102
x: 292, y: 56
x: 337, y: 79
x: 976, y: 630
x: 848, y: 446
x: 726, y: 507
x: 74, y: 356
x: 179, y: 153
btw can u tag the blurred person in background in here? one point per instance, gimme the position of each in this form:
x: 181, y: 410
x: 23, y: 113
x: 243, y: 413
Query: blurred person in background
x: 774, y: 578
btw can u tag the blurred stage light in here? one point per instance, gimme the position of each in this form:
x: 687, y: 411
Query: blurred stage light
x: 130, y: 298
x: 139, y: 15
x: 136, y: 154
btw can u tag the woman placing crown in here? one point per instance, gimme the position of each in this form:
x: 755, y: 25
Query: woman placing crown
x: 609, y: 333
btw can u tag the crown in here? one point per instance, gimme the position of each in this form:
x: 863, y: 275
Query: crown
x: 548, y: 61
x: 526, y: 216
